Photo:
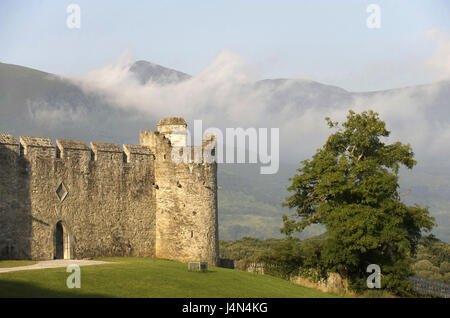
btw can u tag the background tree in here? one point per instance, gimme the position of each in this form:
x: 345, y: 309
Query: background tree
x: 283, y: 259
x: 351, y: 186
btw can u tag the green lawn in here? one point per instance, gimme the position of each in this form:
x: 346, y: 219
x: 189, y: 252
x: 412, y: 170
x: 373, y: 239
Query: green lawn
x: 14, y: 263
x: 134, y: 277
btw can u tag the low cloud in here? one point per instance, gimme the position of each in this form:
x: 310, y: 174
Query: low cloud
x: 43, y: 113
x: 416, y: 115
x: 226, y: 94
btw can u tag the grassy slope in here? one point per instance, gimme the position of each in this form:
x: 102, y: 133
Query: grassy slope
x: 134, y: 277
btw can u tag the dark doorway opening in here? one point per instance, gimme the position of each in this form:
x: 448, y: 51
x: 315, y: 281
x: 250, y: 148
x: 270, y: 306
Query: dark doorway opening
x: 61, y: 242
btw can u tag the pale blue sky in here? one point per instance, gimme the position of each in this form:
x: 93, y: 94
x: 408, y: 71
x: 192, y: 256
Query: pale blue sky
x: 327, y: 41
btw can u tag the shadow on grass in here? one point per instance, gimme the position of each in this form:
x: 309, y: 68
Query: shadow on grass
x: 13, y: 289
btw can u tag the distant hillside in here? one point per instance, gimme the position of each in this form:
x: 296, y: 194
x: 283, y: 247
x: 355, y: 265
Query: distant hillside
x: 250, y: 204
x: 42, y: 104
x: 146, y: 71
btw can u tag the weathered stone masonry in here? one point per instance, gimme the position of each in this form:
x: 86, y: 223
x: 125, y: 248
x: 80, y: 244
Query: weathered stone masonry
x: 73, y: 201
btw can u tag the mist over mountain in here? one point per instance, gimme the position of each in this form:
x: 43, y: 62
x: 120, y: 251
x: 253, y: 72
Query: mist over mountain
x: 146, y: 71
x: 114, y: 102
x: 41, y: 104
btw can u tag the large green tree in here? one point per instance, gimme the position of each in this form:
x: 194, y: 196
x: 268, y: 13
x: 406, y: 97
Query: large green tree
x: 351, y: 186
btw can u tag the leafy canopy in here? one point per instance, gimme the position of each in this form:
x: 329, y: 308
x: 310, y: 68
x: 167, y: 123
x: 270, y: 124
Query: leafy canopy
x: 351, y: 186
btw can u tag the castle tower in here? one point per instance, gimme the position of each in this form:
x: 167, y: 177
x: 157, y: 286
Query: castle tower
x: 173, y: 128
x: 186, y: 197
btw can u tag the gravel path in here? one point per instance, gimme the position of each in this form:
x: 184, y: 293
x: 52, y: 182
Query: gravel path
x: 52, y: 264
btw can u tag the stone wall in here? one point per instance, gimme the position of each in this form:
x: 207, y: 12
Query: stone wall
x: 334, y: 283
x: 108, y: 202
x: 15, y: 203
x: 105, y: 204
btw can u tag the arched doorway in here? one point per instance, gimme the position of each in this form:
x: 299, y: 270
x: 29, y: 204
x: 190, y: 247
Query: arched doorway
x: 61, y: 242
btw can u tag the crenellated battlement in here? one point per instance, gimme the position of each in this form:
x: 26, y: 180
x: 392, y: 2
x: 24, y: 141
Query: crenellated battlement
x: 134, y: 153
x: 159, y: 145
x: 43, y: 148
x: 39, y: 147
x: 107, y: 151
x: 163, y: 146
x: 72, y: 148
x: 6, y: 139
x: 9, y: 143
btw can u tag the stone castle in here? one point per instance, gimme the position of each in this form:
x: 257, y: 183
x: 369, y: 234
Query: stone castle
x: 72, y: 201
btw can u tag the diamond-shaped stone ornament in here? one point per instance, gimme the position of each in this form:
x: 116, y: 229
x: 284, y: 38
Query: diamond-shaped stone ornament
x: 62, y: 192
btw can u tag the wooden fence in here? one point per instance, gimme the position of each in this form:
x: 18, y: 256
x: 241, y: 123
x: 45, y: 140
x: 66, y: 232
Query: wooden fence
x: 430, y: 287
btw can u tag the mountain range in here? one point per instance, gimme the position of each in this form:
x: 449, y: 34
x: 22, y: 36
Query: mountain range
x: 37, y: 103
